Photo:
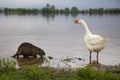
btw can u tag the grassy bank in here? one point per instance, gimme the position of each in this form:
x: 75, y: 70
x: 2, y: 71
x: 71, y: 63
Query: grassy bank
x: 9, y: 72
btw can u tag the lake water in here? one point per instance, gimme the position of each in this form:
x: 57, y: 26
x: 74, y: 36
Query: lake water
x: 59, y: 37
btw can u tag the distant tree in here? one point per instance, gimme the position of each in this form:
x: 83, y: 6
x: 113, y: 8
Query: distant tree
x: 67, y: 10
x: 35, y: 11
x: 0, y: 10
x: 48, y: 8
x: 61, y: 11
x: 48, y: 5
x: 101, y: 10
x: 52, y: 8
x: 56, y: 10
x: 74, y: 9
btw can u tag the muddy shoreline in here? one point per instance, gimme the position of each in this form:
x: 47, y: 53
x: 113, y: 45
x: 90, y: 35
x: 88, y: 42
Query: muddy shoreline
x: 65, y: 63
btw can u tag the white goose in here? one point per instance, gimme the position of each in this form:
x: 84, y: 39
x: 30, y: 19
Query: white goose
x: 93, y: 42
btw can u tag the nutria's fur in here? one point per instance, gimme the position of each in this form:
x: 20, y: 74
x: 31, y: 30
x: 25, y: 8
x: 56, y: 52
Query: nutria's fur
x: 28, y: 49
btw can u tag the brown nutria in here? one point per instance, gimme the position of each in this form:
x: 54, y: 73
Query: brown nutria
x: 27, y: 49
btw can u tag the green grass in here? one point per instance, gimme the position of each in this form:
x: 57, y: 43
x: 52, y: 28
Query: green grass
x: 9, y: 72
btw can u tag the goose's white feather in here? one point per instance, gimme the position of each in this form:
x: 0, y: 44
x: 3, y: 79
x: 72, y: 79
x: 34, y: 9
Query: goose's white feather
x: 93, y: 42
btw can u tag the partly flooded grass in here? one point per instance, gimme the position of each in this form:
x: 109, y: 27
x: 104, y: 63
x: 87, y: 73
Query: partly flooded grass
x: 8, y: 71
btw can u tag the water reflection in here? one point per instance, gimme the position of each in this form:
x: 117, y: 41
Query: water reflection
x: 61, y: 63
x: 60, y: 36
x: 53, y: 15
x: 29, y: 61
x: 44, y: 14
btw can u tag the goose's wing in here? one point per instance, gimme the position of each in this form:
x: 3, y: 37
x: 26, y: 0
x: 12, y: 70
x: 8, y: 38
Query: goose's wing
x: 96, y: 40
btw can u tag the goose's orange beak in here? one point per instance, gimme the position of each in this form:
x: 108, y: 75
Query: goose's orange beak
x: 75, y: 21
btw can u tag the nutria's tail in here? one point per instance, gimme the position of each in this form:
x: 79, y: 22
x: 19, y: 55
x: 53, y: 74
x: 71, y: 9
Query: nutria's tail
x: 14, y: 55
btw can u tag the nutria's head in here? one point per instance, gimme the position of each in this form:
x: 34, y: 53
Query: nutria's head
x: 42, y: 53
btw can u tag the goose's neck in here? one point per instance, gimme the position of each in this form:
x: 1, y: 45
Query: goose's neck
x: 87, y: 31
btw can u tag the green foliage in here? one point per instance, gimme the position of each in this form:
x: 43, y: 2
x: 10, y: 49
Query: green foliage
x: 115, y: 69
x: 75, y: 9
x: 86, y: 73
x: 13, y: 75
x: 34, y: 72
x: 20, y: 11
x: 49, y: 9
x: 89, y: 74
x: 52, y: 9
x: 7, y: 65
x: 102, y: 10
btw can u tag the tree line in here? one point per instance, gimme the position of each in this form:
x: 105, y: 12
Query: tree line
x: 52, y: 9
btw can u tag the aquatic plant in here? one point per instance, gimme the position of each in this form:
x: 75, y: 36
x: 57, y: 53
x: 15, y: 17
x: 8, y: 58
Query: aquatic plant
x: 7, y: 65
x: 88, y: 73
x: 115, y: 69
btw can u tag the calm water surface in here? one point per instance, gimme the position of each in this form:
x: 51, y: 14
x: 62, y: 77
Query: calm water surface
x: 59, y: 37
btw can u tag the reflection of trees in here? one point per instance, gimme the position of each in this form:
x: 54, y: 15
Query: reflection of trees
x: 50, y: 16
x: 97, y: 14
x: 66, y: 14
x: 74, y: 14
